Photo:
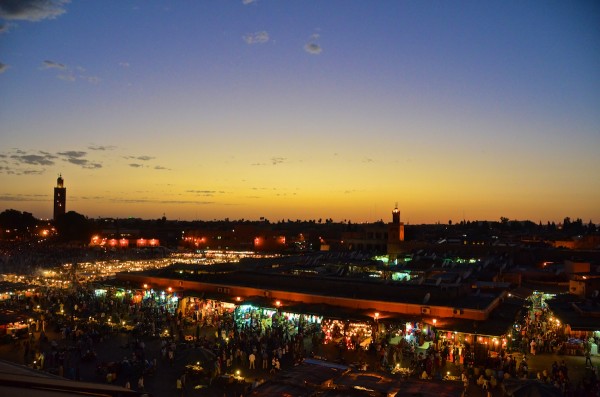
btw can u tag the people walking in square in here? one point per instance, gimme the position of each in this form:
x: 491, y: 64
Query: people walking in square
x: 588, y: 358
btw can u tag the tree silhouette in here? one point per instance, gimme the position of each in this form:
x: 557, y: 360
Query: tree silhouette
x: 16, y: 225
x: 16, y: 220
x: 73, y: 226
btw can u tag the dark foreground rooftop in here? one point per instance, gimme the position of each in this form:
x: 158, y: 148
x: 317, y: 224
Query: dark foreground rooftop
x: 18, y: 381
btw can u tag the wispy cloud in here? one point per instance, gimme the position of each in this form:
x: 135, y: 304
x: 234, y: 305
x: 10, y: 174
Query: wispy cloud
x: 32, y: 10
x: 256, y: 37
x: 22, y: 162
x: 141, y: 158
x: 138, y: 163
x: 23, y: 197
x: 33, y: 159
x: 205, y: 193
x: 53, y: 65
x: 69, y: 74
x: 312, y: 47
x: 4, y: 27
x: 352, y: 191
x: 91, y: 79
x: 274, y: 161
x: 73, y: 153
x: 143, y: 200
x: 102, y: 147
x: 277, y: 160
x: 246, y: 2
x: 77, y: 158
x: 3, y: 67
x: 83, y: 163
x: 67, y: 77
x: 124, y: 64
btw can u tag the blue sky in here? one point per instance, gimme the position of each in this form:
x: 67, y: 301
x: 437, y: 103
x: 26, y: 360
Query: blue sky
x: 302, y: 109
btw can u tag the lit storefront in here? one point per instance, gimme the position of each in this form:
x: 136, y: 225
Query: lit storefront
x: 253, y: 315
x: 575, y: 322
x: 349, y: 333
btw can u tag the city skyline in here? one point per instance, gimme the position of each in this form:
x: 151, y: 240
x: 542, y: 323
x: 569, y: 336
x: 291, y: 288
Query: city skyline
x: 302, y: 110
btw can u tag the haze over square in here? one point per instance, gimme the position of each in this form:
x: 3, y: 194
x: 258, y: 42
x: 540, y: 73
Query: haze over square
x: 302, y: 110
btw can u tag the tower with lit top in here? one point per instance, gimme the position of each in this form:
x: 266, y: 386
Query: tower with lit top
x: 396, y: 215
x: 396, y: 228
x: 395, y: 242
x: 60, y: 198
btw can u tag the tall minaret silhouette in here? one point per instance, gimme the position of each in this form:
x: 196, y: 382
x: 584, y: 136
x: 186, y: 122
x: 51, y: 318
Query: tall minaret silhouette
x: 396, y: 228
x: 396, y: 215
x: 60, y: 198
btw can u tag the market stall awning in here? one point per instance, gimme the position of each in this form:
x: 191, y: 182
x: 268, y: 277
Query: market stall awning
x: 579, y: 315
x: 497, y: 324
x: 325, y: 310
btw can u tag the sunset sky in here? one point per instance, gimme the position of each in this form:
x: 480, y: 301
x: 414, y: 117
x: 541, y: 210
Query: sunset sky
x: 302, y: 109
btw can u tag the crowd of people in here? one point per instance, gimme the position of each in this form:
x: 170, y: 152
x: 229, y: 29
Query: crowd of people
x: 80, y: 318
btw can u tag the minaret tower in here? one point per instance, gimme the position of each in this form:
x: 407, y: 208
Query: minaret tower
x: 60, y: 198
x: 396, y: 228
x: 396, y: 215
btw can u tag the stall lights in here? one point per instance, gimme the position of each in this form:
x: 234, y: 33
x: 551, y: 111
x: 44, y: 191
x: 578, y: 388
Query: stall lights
x: 277, y: 303
x: 434, y: 321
